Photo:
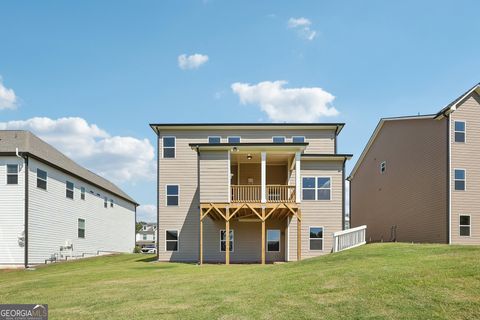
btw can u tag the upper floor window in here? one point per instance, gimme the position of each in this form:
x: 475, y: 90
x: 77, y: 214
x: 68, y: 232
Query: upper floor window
x: 12, y: 173
x: 278, y: 139
x: 171, y: 240
x: 82, y: 193
x: 383, y: 167
x: 235, y: 139
x: 298, y: 139
x: 273, y: 240
x: 172, y: 195
x: 69, y: 189
x: 41, y: 179
x: 105, y: 202
x: 214, y: 139
x: 169, y: 144
x: 81, y: 228
x: 460, y: 179
x: 465, y: 225
x: 111, y: 203
x: 223, y: 241
x: 316, y: 238
x: 460, y: 131
x: 316, y: 188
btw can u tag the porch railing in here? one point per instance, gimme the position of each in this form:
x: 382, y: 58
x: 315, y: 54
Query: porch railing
x: 253, y: 193
x: 348, y: 239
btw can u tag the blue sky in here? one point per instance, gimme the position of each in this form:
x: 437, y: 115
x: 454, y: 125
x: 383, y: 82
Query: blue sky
x: 114, y: 64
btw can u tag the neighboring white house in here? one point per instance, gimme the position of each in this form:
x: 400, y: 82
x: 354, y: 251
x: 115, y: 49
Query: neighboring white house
x: 47, y: 201
x: 147, y: 235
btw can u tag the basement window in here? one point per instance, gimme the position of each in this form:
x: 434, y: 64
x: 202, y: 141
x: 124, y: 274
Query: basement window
x: 169, y: 144
x: 41, y: 179
x: 171, y: 240
x: 81, y: 228
x: 12, y: 173
x: 460, y: 131
x: 460, y: 179
x: 273, y: 240
x: 465, y: 225
x: 223, y: 242
x: 316, y: 238
x: 69, y: 190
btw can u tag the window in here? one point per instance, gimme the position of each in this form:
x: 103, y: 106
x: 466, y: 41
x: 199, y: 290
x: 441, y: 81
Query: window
x: 316, y: 238
x: 465, y: 226
x: 144, y: 228
x: 81, y: 228
x: 273, y: 240
x: 82, y: 193
x: 105, y: 202
x: 41, y: 179
x: 278, y: 139
x: 172, y: 195
x: 144, y: 237
x: 171, y: 240
x: 111, y: 203
x: 12, y: 173
x: 169, y: 147
x: 460, y: 131
x: 223, y: 243
x: 298, y: 139
x: 69, y: 190
x: 234, y: 139
x: 383, y: 167
x: 214, y: 139
x: 316, y: 188
x: 460, y: 179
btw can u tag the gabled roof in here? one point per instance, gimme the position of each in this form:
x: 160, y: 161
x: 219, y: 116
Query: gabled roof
x: 30, y: 144
x: 375, y: 134
x: 452, y: 106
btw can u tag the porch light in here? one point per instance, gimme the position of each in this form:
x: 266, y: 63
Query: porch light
x: 249, y: 156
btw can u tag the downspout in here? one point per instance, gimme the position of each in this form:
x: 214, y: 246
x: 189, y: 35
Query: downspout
x: 158, y: 195
x: 25, y: 237
x: 198, y: 188
x: 449, y: 177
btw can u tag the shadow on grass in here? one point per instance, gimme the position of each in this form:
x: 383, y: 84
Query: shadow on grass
x: 147, y: 259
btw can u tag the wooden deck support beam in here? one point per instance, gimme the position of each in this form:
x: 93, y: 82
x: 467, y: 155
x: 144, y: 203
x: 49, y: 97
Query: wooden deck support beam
x: 227, y: 236
x: 201, y: 241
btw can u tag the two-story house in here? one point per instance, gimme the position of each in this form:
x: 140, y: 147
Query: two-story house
x: 248, y: 192
x: 147, y: 235
x: 51, y: 207
x: 418, y: 178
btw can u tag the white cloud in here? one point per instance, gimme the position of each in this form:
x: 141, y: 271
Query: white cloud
x: 303, y: 27
x: 193, y: 61
x: 8, y: 99
x: 147, y: 213
x: 117, y: 158
x: 287, y: 104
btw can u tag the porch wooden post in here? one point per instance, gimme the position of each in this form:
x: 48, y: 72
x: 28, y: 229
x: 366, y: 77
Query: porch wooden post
x: 299, y: 235
x: 263, y: 235
x: 201, y: 238
x: 227, y: 236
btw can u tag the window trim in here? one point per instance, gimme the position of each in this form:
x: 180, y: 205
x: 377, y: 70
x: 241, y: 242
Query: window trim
x: 174, y: 147
x: 279, y: 240
x: 12, y: 174
x: 219, y: 137
x: 284, y: 139
x: 177, y: 241
x: 383, y: 165
x: 239, y: 139
x: 84, y: 228
x: 304, y: 138
x: 464, y: 225
x: 166, y: 195
x: 464, y: 132
x: 220, y: 241
x: 464, y: 180
x: 67, y: 189
x: 46, y: 179
x: 323, y: 238
x: 317, y: 188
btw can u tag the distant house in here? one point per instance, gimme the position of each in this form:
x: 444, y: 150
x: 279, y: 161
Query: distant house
x: 147, y: 235
x: 418, y: 178
x: 249, y: 192
x: 51, y: 207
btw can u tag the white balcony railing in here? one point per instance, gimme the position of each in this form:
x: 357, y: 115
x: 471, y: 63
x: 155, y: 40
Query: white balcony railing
x: 253, y: 193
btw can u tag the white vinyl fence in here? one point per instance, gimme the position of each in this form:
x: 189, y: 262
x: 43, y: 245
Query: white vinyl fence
x: 349, y: 238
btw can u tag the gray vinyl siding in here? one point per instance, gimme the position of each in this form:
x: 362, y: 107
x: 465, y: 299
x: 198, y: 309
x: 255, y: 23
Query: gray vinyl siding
x: 412, y: 193
x: 12, y: 213
x: 53, y: 218
x: 463, y: 155
x: 326, y: 214
x: 214, y: 176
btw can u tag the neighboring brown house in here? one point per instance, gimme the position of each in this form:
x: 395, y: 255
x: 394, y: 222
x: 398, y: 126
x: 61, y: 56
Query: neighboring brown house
x: 418, y: 178
x: 257, y: 183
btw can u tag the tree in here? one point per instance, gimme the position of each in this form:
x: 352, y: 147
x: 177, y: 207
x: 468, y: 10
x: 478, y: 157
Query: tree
x: 139, y: 226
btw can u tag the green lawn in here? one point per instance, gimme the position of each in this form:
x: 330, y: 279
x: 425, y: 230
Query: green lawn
x: 380, y: 281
